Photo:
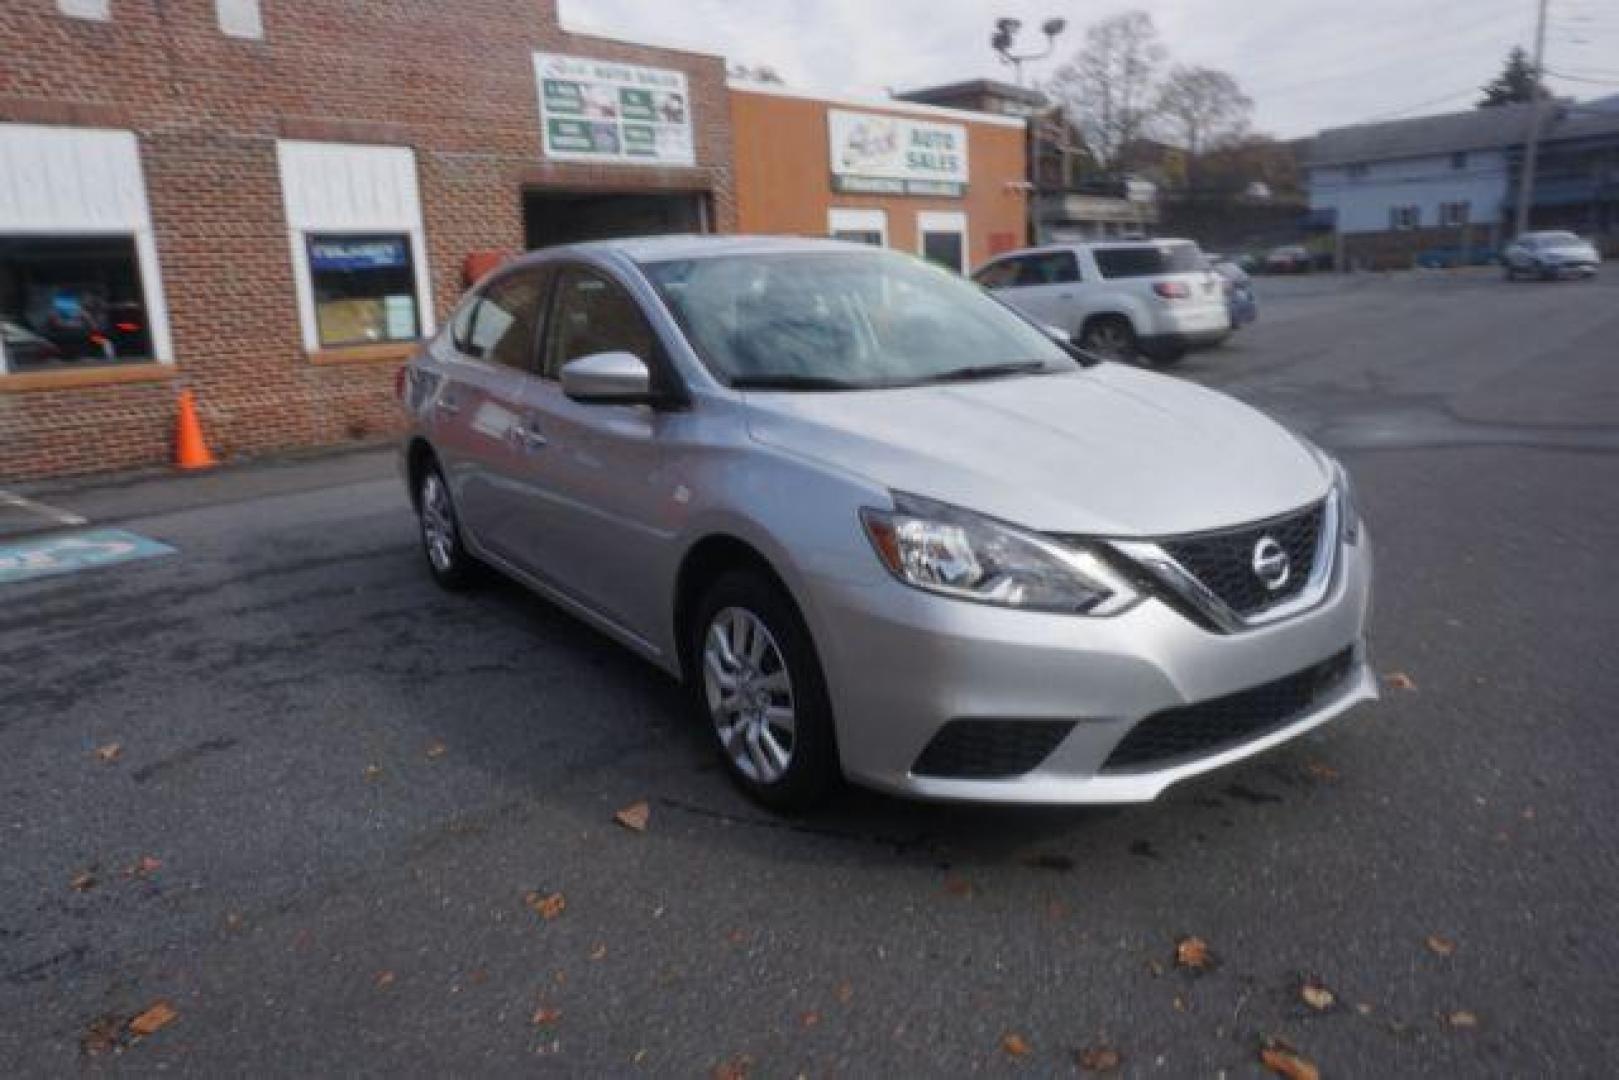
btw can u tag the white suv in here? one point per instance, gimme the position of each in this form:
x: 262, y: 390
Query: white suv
x: 1139, y: 298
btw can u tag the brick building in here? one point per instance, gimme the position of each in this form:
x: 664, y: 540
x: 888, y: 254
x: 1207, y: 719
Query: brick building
x: 946, y: 184
x: 266, y: 201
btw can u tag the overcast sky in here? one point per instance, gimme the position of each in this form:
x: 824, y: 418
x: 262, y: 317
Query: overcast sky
x: 1308, y: 64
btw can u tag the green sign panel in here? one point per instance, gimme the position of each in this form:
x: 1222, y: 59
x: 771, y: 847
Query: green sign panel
x: 636, y: 105
x: 563, y: 97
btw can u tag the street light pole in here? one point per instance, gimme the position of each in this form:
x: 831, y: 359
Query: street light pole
x: 1526, y: 177
x: 1001, y: 41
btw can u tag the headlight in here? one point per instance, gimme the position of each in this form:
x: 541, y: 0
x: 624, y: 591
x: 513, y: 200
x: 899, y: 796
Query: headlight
x: 1348, y: 508
x: 946, y: 550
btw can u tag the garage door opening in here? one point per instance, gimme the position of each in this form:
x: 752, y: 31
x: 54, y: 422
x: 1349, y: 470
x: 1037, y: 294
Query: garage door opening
x: 569, y: 217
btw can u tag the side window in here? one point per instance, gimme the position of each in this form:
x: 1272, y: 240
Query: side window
x: 999, y: 275
x: 594, y: 315
x: 503, y: 326
x: 1052, y: 268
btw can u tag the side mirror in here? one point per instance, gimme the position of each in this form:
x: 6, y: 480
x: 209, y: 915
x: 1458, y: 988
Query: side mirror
x: 608, y: 378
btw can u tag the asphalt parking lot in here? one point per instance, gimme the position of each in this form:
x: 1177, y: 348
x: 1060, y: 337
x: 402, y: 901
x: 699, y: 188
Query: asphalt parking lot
x: 278, y: 782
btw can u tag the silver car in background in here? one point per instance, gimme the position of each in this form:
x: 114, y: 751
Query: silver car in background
x: 1550, y: 255
x: 885, y: 528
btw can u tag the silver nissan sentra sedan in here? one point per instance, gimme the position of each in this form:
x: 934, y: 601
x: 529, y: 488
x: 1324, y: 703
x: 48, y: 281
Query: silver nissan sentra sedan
x: 883, y: 527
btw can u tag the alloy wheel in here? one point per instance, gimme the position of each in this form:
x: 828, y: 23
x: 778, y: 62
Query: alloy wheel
x: 438, y: 524
x: 750, y: 694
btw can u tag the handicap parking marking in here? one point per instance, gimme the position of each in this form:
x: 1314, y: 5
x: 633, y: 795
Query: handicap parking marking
x: 69, y: 553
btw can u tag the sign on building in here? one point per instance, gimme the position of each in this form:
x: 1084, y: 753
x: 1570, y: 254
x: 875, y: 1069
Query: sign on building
x: 891, y: 155
x: 601, y: 110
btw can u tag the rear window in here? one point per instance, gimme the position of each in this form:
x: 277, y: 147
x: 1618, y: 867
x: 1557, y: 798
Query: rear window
x: 1148, y: 260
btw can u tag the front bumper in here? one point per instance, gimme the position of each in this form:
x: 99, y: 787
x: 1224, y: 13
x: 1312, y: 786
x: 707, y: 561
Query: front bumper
x: 901, y: 664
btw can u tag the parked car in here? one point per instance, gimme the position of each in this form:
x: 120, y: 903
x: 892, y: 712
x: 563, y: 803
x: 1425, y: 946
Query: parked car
x: 884, y: 527
x: 1151, y: 299
x: 1550, y: 255
x: 25, y: 349
x: 1241, y: 304
x: 1290, y: 259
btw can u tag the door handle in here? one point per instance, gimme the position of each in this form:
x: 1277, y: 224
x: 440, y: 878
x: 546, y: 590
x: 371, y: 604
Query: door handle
x: 525, y: 436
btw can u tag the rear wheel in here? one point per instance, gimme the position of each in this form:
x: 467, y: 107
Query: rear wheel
x: 1110, y: 336
x: 758, y: 685
x: 447, y: 557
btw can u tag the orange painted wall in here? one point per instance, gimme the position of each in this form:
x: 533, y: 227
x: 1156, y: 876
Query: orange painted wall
x: 783, y: 176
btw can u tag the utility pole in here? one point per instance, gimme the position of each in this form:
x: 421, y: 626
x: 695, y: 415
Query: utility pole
x: 1531, y: 150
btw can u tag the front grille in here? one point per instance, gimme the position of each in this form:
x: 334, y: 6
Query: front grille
x: 990, y: 749
x: 1223, y: 561
x: 1227, y: 721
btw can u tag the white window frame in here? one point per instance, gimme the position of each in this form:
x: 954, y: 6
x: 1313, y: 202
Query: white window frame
x: 857, y: 219
x: 240, y: 19
x: 943, y: 222
x: 323, y: 186
x: 88, y: 183
x: 89, y: 10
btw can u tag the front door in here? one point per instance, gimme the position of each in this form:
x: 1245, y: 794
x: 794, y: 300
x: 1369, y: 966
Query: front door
x: 601, y: 505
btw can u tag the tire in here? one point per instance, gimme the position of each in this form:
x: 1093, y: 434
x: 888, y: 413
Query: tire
x: 447, y: 557
x: 763, y: 697
x: 1111, y: 337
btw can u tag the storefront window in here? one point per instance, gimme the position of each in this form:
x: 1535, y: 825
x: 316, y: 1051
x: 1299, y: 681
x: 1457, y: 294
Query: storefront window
x: 945, y: 249
x: 364, y: 288
x: 859, y: 236
x: 70, y: 302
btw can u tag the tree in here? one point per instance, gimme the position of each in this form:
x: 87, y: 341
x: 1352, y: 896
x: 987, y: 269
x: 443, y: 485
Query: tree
x: 1200, y: 108
x: 1517, y: 84
x: 1107, y: 88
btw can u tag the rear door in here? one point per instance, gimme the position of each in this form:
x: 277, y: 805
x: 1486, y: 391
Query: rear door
x: 481, y: 426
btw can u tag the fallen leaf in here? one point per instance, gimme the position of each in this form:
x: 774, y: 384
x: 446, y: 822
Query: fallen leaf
x: 154, y: 1019
x: 1056, y: 911
x: 600, y: 951
x: 735, y: 1069
x: 144, y: 867
x: 1179, y: 1003
x: 1284, y: 1061
x: 1322, y: 771
x: 545, y: 1015
x: 1364, y: 1008
x: 477, y: 976
x: 810, y: 1019
x: 436, y: 751
x: 1193, y: 953
x: 83, y: 881
x: 109, y: 753
x: 546, y: 907
x: 1014, y: 1044
x: 234, y: 920
x: 1099, y: 1059
x: 845, y: 993
x: 958, y: 886
x: 1461, y: 1018
x: 385, y: 979
x: 372, y: 772
x: 737, y: 937
x: 102, y: 1034
x: 634, y: 816
x: 1316, y: 996
x: 1440, y: 946
x: 1399, y: 680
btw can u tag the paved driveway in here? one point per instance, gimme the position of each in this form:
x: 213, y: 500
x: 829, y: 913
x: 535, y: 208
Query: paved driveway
x: 279, y: 783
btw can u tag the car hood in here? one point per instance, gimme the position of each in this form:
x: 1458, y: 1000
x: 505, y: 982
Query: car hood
x: 1570, y: 251
x: 1106, y: 451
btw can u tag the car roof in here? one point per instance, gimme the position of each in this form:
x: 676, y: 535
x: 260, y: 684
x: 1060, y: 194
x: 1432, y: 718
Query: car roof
x: 1093, y: 245
x: 648, y: 249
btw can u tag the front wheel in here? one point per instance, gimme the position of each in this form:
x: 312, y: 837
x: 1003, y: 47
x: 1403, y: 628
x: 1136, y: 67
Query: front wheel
x: 759, y: 688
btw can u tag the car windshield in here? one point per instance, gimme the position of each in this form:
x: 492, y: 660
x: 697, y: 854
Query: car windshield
x: 833, y: 320
x: 1557, y: 239
x: 1148, y: 260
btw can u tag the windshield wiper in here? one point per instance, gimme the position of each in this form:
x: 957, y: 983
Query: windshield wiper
x: 793, y: 382
x: 986, y: 371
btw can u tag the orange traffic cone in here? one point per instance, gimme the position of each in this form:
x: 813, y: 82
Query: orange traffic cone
x: 190, y: 451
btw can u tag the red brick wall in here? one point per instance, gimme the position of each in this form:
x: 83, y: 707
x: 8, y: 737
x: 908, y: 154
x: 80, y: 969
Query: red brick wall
x: 455, y: 81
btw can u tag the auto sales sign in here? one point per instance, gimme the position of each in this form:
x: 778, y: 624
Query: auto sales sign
x: 890, y: 155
